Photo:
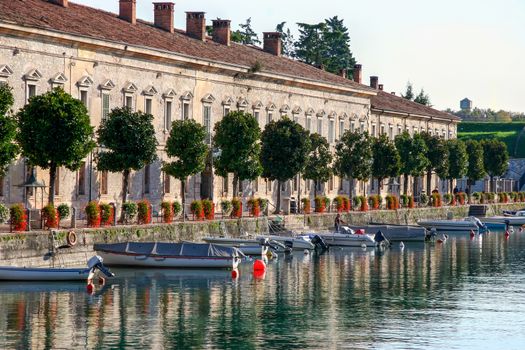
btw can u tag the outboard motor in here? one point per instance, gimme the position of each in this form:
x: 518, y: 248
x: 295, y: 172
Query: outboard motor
x: 96, y: 263
x: 319, y: 243
x: 288, y: 244
x: 379, y: 237
x: 430, y: 235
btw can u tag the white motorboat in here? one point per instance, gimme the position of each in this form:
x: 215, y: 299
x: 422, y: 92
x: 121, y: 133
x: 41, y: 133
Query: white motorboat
x: 466, y: 225
x: 245, y: 246
x: 169, y: 255
x: 296, y: 243
x: 517, y: 219
x: 348, y: 238
x: 396, y: 233
x: 54, y: 274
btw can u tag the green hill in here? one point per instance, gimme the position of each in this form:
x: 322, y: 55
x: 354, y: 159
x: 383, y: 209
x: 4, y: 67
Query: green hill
x: 509, y: 133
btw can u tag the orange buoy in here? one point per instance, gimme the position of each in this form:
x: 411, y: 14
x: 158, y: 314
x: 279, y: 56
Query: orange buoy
x: 90, y: 288
x: 259, y: 265
x: 235, y: 274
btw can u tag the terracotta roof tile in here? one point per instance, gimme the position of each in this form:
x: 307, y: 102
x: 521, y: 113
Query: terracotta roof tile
x: 389, y: 102
x: 87, y: 21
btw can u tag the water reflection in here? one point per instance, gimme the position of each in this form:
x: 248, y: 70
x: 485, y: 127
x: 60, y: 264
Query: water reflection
x: 471, y: 290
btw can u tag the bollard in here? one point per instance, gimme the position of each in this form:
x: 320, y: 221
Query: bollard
x: 73, y: 217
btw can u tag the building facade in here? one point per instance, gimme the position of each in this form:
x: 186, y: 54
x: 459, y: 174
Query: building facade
x: 111, y: 60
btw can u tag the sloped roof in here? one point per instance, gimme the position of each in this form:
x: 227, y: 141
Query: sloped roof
x: 392, y: 103
x: 98, y: 24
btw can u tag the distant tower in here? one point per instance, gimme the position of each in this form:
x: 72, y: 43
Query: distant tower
x: 465, y: 104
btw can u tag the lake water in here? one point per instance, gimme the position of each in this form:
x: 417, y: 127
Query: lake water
x: 464, y: 294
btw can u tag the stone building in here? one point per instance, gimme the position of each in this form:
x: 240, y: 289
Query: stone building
x: 108, y: 60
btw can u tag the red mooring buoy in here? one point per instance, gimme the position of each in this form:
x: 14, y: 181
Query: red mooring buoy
x: 235, y: 274
x: 259, y: 265
x: 90, y: 288
x: 472, y: 234
x: 507, y: 234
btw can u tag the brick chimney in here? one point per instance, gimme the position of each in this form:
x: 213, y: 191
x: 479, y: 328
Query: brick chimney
x: 393, y: 93
x: 343, y: 73
x: 374, y: 81
x: 128, y: 10
x: 381, y: 87
x: 272, y: 43
x: 163, y: 13
x: 63, y: 3
x: 221, y: 31
x: 196, y: 25
x: 358, y: 73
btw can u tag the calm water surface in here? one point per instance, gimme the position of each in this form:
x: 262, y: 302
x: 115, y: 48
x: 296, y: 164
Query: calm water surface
x: 462, y: 294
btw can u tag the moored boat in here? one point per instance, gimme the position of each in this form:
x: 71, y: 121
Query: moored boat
x: 52, y: 274
x: 169, y: 255
x: 245, y: 246
x: 517, y: 219
x: 396, y: 233
x: 295, y: 243
x: 466, y: 225
x: 348, y: 238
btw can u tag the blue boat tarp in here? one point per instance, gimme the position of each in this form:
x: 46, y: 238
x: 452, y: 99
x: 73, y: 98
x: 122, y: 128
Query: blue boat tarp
x: 167, y: 249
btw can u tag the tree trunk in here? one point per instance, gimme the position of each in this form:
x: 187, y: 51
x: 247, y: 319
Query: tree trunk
x: 183, y: 195
x: 278, y: 204
x: 491, y: 184
x: 315, y: 188
x: 52, y: 177
x: 364, y: 189
x: 405, y: 184
x: 469, y: 185
x: 125, y: 185
x: 235, y: 186
x: 429, y: 181
x: 451, y: 182
x: 414, y: 186
x: 379, y: 185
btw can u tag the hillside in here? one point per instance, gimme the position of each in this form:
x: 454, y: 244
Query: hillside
x: 511, y: 134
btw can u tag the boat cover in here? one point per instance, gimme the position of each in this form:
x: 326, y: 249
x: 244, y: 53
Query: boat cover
x: 168, y: 249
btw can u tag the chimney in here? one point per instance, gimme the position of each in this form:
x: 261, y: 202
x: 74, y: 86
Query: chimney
x: 221, y: 31
x: 343, y: 72
x: 63, y: 3
x: 374, y: 81
x: 128, y: 10
x: 358, y: 73
x: 196, y: 25
x: 381, y: 87
x: 163, y: 13
x: 272, y: 43
x: 393, y: 93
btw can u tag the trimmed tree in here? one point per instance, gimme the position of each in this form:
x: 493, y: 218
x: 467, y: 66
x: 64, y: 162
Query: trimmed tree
x: 237, y: 136
x: 8, y: 148
x: 437, y: 155
x: 458, y: 159
x: 386, y: 160
x: 128, y: 143
x: 495, y: 159
x: 319, y: 161
x: 285, y: 146
x: 353, y: 156
x: 412, y: 152
x: 55, y: 131
x: 475, y: 168
x: 186, y: 144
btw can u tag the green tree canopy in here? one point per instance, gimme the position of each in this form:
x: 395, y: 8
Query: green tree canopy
x: 285, y: 146
x: 386, y: 160
x: 495, y: 158
x: 186, y: 144
x: 128, y: 142
x: 246, y: 35
x: 409, y: 93
x: 319, y: 161
x: 475, y: 168
x: 412, y: 151
x: 55, y: 131
x: 310, y: 46
x: 8, y: 148
x: 288, y: 45
x: 437, y: 155
x: 423, y: 99
x: 353, y: 156
x: 237, y: 136
x: 458, y: 160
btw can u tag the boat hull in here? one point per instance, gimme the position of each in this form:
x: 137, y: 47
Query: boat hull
x: 8, y: 273
x: 395, y: 233
x: 450, y: 226
x: 513, y: 221
x: 347, y: 240
x: 297, y: 242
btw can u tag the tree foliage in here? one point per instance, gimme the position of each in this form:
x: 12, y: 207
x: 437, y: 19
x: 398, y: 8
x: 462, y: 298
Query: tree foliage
x: 423, y: 99
x: 458, y: 160
x: 325, y: 44
x: 288, y: 46
x: 246, y: 35
x: 186, y: 144
x: 353, y: 156
x: 409, y: 93
x: 319, y: 161
x: 412, y: 151
x: 8, y: 130
x: 128, y: 143
x: 437, y: 155
x: 495, y: 158
x: 285, y: 146
x: 237, y: 137
x: 475, y: 168
x: 386, y: 160
x: 55, y: 131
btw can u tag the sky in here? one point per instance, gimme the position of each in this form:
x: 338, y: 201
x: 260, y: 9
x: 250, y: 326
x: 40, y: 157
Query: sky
x: 451, y: 48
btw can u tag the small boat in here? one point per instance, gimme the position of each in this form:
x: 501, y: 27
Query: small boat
x: 396, y: 233
x: 295, y: 243
x: 466, y: 225
x: 169, y: 255
x: 517, y: 219
x: 55, y: 274
x: 348, y: 238
x: 247, y: 246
